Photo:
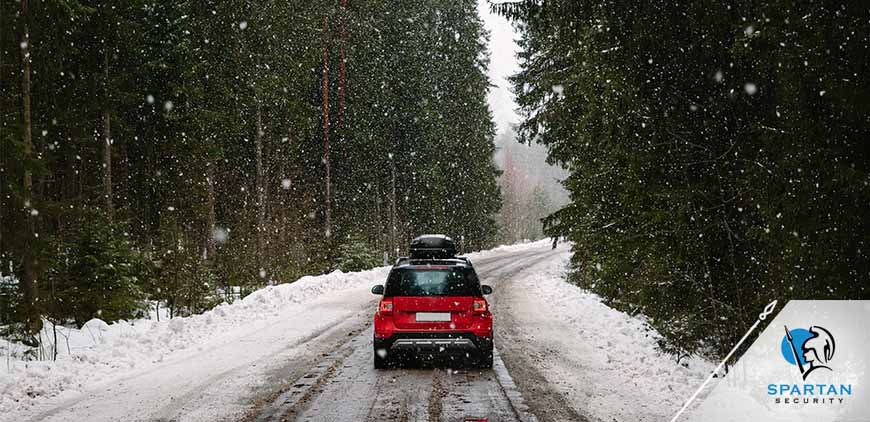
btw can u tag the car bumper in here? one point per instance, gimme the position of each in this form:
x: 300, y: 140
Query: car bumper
x: 434, y: 342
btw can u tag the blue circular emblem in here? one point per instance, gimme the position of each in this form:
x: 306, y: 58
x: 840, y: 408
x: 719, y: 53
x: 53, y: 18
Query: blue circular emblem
x: 800, y: 336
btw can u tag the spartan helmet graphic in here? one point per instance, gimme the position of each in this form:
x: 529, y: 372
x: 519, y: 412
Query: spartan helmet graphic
x: 818, y: 350
x: 813, y: 352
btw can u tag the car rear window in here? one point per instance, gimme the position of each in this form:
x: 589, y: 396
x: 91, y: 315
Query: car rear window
x: 429, y: 281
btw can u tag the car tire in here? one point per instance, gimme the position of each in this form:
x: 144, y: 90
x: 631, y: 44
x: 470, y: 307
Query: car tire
x: 380, y: 362
x: 484, y: 361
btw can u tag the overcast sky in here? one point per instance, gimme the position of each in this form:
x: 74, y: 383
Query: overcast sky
x: 503, y: 63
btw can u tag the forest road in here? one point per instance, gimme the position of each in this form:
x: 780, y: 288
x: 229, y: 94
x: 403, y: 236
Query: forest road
x: 317, y: 366
x: 344, y: 386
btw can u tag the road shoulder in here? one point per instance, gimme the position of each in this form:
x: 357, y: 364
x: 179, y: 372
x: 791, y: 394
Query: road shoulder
x: 574, y: 358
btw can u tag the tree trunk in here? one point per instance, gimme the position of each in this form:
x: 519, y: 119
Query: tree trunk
x: 32, y: 322
x: 327, y: 194
x: 54, y: 347
x: 210, y: 220
x: 283, y: 200
x: 378, y: 223
x: 393, y: 245
x: 107, y: 140
x: 342, y: 65
x: 261, y: 188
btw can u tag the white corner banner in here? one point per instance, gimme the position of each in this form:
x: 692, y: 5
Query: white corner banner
x: 811, y: 363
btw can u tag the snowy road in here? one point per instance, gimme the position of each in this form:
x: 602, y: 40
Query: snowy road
x: 241, y: 376
x: 346, y: 387
x: 303, y: 352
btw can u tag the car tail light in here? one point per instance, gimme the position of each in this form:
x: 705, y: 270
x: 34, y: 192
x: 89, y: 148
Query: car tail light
x: 386, y: 307
x: 479, y: 306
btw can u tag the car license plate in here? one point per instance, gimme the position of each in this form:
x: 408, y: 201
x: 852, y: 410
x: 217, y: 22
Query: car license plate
x: 433, y: 316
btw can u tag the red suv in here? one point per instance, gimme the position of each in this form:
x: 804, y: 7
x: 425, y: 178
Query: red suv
x: 433, y: 304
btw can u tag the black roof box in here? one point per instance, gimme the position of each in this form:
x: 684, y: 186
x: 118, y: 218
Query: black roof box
x: 433, y: 246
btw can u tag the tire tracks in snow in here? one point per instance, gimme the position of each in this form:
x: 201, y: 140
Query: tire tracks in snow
x: 436, y: 396
x: 399, y: 394
x: 545, y: 401
x: 177, y: 406
x: 289, y: 400
x: 191, y: 399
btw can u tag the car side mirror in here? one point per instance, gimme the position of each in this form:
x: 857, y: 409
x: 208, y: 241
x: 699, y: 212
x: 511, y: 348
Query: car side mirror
x: 487, y: 290
x: 379, y: 289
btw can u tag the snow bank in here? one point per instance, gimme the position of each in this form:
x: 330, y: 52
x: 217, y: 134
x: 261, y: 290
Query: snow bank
x: 99, y: 351
x: 607, y: 363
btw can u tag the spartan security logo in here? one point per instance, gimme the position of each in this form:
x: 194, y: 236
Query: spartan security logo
x: 811, y: 351
x: 808, y: 349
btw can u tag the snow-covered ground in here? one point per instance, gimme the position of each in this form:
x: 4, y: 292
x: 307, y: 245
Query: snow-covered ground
x: 100, y: 352
x: 606, y: 363
x: 247, y: 330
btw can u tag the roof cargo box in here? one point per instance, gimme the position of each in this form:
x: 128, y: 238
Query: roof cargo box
x: 433, y: 246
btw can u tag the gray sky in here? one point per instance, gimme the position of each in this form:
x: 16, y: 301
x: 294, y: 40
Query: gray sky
x: 503, y: 63
x: 531, y: 159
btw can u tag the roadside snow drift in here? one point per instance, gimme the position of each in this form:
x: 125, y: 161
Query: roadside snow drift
x: 606, y: 363
x: 100, y: 351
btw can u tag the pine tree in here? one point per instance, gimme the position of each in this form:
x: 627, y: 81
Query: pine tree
x: 195, y: 128
x: 97, y: 274
x: 716, y: 153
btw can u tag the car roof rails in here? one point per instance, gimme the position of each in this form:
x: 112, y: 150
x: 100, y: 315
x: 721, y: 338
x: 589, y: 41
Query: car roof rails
x: 458, y: 260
